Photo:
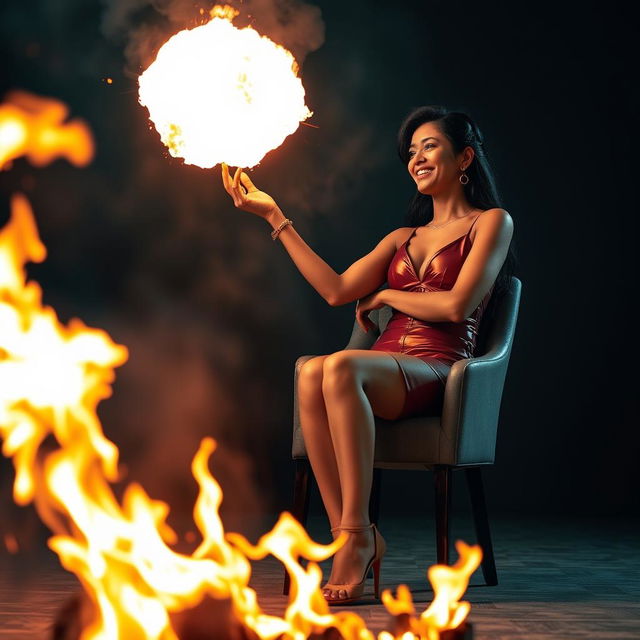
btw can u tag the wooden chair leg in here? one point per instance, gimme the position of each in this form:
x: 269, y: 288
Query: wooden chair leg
x: 442, y: 482
x: 481, y: 523
x: 300, y: 510
x: 374, y: 500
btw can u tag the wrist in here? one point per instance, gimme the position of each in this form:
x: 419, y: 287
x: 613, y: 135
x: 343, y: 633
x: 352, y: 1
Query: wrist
x: 275, y: 217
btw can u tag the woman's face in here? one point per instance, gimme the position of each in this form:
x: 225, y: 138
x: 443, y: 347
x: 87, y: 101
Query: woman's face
x: 432, y: 162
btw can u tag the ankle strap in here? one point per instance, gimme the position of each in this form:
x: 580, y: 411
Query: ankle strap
x: 347, y: 528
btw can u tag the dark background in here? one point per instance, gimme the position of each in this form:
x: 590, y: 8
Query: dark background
x: 215, y: 314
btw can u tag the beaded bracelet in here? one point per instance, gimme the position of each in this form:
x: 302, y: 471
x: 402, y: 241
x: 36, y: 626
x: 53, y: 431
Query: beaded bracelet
x: 276, y: 232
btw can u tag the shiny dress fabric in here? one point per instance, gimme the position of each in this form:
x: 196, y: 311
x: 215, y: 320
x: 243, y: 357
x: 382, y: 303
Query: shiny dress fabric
x: 424, y: 350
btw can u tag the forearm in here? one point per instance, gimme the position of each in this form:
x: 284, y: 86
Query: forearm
x: 430, y: 306
x: 314, y: 269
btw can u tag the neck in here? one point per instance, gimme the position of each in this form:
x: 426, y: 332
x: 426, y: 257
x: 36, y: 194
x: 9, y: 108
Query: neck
x: 447, y: 206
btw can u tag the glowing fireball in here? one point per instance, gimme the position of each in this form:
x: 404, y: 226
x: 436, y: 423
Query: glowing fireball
x: 220, y: 94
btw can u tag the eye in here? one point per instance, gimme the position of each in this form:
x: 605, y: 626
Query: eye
x: 426, y: 146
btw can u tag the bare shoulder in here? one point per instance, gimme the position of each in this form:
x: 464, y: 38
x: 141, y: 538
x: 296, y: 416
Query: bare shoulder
x: 496, y: 220
x: 496, y: 215
x: 400, y: 235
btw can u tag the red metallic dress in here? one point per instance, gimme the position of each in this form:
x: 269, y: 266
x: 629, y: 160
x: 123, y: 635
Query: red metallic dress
x: 425, y: 350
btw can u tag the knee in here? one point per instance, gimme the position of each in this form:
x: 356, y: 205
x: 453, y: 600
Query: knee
x: 310, y: 376
x: 339, y: 371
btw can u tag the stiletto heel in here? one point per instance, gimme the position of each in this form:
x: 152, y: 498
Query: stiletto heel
x: 376, y: 579
x: 355, y: 590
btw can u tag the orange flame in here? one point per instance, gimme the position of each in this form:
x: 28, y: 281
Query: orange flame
x: 52, y: 378
x: 220, y: 94
x: 11, y: 543
x: 34, y: 127
x: 449, y: 585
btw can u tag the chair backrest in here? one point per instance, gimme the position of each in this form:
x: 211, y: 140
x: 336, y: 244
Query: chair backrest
x: 473, y: 394
x: 497, y: 327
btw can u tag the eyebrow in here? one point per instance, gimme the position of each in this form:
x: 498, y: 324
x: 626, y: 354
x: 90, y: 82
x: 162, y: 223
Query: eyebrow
x: 423, y: 139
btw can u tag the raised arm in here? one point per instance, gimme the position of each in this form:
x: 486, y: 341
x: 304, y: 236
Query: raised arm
x: 361, y: 278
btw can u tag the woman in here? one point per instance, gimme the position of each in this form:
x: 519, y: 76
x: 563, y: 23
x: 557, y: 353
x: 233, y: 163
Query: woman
x: 441, y: 272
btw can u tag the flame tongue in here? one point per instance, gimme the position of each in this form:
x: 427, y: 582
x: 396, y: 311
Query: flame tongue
x: 220, y: 94
x: 34, y: 126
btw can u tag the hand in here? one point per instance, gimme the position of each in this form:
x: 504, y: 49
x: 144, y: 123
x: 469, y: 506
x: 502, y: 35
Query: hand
x: 246, y: 195
x: 366, y: 304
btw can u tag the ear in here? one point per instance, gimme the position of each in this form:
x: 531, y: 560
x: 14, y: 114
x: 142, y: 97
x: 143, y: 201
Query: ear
x: 467, y: 156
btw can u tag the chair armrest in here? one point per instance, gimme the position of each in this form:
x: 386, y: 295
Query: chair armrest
x: 297, y: 447
x: 364, y: 340
x: 474, y: 389
x: 471, y: 408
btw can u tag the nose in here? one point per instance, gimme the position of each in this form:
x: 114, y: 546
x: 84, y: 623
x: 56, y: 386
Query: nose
x: 418, y: 159
x: 419, y: 156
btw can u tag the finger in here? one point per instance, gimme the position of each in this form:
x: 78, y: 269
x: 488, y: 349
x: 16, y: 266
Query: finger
x: 238, y: 188
x: 236, y: 177
x: 237, y: 192
x: 246, y: 181
x: 226, y: 180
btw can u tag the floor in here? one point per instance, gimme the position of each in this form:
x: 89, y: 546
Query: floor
x: 558, y: 578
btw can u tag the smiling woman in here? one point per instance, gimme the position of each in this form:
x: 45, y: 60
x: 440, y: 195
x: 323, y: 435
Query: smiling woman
x: 462, y: 259
x: 441, y: 272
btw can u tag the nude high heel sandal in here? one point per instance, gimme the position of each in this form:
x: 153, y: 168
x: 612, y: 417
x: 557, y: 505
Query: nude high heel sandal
x: 355, y: 590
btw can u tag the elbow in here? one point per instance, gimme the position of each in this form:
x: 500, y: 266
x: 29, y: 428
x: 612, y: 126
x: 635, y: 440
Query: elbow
x: 333, y: 300
x: 333, y: 297
x: 459, y: 309
x: 458, y: 313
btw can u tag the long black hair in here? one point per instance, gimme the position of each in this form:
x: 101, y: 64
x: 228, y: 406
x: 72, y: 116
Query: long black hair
x: 480, y: 190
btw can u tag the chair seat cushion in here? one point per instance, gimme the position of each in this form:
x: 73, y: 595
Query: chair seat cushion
x: 408, y: 443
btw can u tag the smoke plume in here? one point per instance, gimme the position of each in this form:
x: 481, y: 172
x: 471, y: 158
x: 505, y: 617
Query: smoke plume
x: 143, y: 25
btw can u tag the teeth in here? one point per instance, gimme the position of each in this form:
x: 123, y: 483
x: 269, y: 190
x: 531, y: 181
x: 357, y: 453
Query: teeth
x: 423, y: 171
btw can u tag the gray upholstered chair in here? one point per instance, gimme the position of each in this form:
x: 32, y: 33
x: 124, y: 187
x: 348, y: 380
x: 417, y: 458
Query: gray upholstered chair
x: 463, y: 437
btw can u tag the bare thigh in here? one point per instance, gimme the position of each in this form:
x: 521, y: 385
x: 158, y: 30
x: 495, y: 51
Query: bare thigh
x: 378, y: 374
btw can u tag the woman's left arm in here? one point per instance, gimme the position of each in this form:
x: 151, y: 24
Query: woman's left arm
x: 479, y: 271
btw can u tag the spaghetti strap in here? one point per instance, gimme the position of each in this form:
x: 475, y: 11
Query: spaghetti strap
x: 476, y: 220
x: 409, y: 238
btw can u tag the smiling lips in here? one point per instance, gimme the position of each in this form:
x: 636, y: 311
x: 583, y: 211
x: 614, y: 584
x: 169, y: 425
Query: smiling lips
x: 424, y: 172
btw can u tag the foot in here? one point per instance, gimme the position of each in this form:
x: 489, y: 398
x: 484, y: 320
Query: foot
x: 350, y: 562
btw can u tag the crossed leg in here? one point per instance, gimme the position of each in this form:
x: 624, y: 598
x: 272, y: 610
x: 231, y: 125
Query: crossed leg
x: 338, y: 396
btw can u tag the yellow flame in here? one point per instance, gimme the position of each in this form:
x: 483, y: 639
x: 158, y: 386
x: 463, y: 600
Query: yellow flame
x: 34, y: 126
x: 220, y: 94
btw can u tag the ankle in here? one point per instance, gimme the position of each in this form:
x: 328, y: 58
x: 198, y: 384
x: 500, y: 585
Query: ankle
x: 355, y: 525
